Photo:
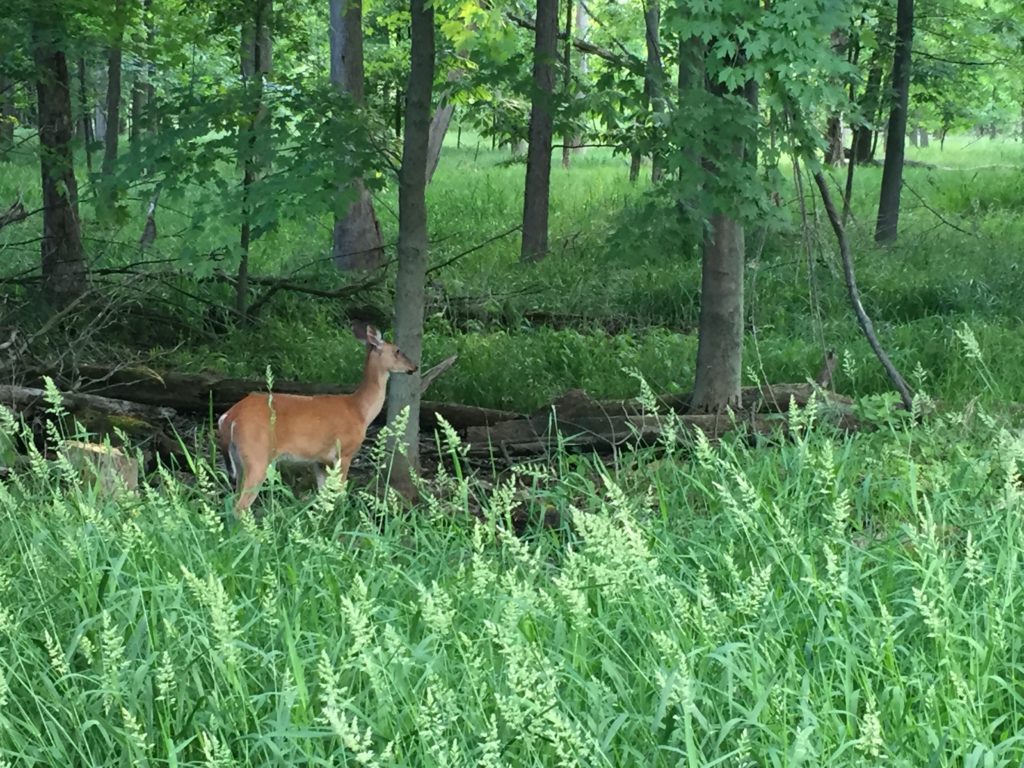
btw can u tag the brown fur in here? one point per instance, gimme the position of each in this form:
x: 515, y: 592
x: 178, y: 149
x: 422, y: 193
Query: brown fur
x: 321, y: 430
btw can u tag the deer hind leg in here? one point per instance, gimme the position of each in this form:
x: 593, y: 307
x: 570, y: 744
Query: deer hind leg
x: 342, y: 463
x: 250, y: 470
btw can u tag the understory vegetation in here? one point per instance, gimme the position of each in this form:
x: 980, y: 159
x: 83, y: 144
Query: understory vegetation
x: 841, y: 600
x: 619, y: 291
x: 832, y: 598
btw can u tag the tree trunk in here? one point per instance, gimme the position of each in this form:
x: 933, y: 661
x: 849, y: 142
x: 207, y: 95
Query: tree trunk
x: 720, y: 335
x: 442, y: 119
x: 412, y: 238
x: 85, y: 119
x: 567, y: 77
x: 138, y: 108
x: 538, y: 158
x: 863, y: 134
x: 109, y: 196
x: 575, y: 143
x: 922, y: 138
x: 690, y: 83
x: 63, y: 263
x: 654, y: 76
x: 834, y: 132
x: 255, y: 64
x: 6, y: 116
x: 151, y: 112
x: 357, y: 242
x: 720, y: 325
x: 892, y: 173
x: 635, y: 161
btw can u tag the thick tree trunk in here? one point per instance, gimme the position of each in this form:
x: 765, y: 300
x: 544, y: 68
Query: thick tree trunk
x: 720, y: 325
x: 538, y: 158
x: 114, y: 56
x: 63, y: 263
x: 357, y: 242
x: 255, y: 65
x: 892, y: 173
x: 412, y: 238
x: 654, y: 76
x: 720, y: 338
x: 6, y: 116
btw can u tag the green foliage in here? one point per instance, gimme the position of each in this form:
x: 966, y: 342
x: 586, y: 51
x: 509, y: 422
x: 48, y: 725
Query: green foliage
x: 840, y: 600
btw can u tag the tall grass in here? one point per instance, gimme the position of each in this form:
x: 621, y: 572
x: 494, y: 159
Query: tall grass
x: 841, y: 600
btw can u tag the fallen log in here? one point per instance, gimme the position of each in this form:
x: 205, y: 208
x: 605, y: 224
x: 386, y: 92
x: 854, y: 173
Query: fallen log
x: 524, y: 436
x: 576, y: 420
x: 206, y: 393
x: 22, y: 398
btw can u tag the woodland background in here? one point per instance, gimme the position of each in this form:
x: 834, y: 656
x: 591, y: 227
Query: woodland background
x: 661, y: 204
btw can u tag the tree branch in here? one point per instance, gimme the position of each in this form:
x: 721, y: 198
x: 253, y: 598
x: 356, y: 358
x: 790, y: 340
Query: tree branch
x: 851, y: 285
x: 13, y: 214
x: 628, y: 61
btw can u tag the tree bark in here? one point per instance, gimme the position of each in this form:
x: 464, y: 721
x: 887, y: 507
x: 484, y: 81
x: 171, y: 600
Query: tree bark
x: 538, y: 158
x: 63, y: 262
x: 863, y: 134
x: 654, y: 76
x: 575, y: 142
x: 151, y: 111
x: 114, y: 57
x: 138, y: 108
x: 357, y: 242
x: 6, y: 116
x: 412, y: 239
x: 567, y: 76
x: 255, y: 64
x: 892, y: 173
x: 85, y: 119
x: 834, y: 132
x: 720, y: 337
x: 720, y: 326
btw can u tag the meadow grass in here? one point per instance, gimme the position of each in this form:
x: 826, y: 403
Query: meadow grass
x: 841, y: 600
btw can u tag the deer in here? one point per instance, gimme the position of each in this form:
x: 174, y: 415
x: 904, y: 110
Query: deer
x: 322, y: 430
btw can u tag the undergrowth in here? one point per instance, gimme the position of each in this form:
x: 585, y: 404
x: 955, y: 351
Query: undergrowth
x: 827, y: 599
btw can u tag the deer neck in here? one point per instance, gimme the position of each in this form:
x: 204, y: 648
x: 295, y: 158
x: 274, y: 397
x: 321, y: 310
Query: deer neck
x: 372, y: 390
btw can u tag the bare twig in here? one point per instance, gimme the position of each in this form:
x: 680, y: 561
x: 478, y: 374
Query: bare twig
x: 477, y: 247
x: 851, y: 285
x: 13, y: 214
x: 938, y: 215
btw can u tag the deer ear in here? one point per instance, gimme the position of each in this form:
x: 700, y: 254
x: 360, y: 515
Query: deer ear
x: 373, y: 337
x: 359, y: 329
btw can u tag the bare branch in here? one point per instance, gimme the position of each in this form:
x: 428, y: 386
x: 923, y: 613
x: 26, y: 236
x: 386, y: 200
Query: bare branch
x: 429, y: 377
x: 851, y: 285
